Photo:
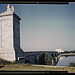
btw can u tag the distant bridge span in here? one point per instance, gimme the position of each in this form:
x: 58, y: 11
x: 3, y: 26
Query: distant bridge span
x: 65, y: 54
x: 68, y: 54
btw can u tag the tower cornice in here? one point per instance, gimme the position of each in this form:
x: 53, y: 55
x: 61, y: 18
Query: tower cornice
x: 10, y: 11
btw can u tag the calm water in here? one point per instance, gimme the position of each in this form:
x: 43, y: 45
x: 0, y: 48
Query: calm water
x: 64, y: 61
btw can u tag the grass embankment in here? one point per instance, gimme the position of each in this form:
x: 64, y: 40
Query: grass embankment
x: 29, y: 67
x: 8, y: 66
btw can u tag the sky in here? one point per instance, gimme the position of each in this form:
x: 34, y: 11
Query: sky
x: 45, y: 26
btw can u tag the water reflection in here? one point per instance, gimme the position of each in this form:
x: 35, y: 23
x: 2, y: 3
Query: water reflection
x: 64, y: 61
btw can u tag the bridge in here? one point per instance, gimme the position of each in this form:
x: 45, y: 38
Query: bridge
x: 32, y: 56
x: 67, y: 54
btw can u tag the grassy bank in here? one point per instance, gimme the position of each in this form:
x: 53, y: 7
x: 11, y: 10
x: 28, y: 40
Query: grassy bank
x: 29, y: 67
x: 8, y: 66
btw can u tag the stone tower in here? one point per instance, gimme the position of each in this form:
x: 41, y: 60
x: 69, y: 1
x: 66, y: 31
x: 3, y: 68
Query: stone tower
x: 10, y: 35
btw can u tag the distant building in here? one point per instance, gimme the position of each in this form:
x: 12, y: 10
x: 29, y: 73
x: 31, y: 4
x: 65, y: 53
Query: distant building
x: 59, y: 50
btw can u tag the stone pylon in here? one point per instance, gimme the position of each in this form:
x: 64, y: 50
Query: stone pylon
x: 10, y: 35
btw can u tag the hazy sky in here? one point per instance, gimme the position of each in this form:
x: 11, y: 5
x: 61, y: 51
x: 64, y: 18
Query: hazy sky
x: 46, y: 26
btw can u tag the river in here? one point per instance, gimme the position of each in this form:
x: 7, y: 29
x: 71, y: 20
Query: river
x: 64, y: 61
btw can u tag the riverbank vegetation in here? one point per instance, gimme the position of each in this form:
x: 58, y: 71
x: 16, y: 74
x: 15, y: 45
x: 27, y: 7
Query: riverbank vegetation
x: 44, y: 59
x: 72, y: 64
x: 4, y: 62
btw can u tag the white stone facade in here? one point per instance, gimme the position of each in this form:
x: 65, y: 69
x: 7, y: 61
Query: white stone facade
x: 10, y: 35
